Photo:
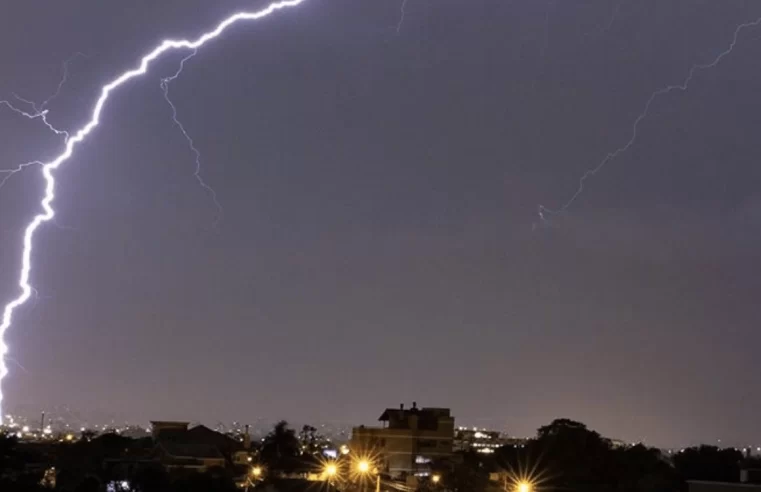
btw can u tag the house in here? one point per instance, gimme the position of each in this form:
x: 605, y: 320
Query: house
x: 408, y: 441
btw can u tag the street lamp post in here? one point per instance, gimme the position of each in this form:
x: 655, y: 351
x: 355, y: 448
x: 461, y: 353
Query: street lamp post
x: 365, y: 469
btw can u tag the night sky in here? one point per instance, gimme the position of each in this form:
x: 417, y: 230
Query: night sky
x: 380, y: 240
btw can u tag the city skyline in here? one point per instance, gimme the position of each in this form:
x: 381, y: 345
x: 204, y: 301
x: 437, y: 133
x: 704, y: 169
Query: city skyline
x: 380, y: 167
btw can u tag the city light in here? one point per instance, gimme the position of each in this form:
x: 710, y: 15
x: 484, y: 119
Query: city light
x: 524, y: 487
x: 257, y: 471
x: 437, y: 479
x: 330, y: 471
x: 363, y: 466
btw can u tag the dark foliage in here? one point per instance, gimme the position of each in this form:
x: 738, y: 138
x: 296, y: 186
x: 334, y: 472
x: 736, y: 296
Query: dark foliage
x: 709, y: 463
x: 280, y: 447
x: 566, y: 455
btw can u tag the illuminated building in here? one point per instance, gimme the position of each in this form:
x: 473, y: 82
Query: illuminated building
x: 408, y: 440
x: 480, y: 440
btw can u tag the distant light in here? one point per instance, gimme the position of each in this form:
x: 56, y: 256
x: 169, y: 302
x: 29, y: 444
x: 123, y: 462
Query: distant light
x: 25, y: 428
x: 256, y: 471
x: 363, y: 466
x: 344, y: 449
x: 69, y: 437
x: 435, y: 478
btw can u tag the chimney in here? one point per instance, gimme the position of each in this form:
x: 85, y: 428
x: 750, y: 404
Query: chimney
x: 401, y: 407
x: 414, y: 405
x: 246, y: 440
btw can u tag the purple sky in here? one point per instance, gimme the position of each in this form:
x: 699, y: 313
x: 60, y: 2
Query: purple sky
x: 379, y: 192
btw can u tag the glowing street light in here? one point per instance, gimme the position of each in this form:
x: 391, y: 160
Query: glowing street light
x: 363, y: 466
x: 437, y: 478
x: 256, y: 471
x: 331, y: 470
x: 524, y: 487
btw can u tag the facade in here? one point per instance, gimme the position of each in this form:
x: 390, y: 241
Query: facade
x: 408, y: 441
x: 479, y: 440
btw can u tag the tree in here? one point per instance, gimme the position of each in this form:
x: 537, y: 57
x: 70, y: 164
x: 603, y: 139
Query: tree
x: 9, y: 454
x: 708, y: 463
x: 311, y: 441
x: 566, y: 455
x: 279, y: 446
x: 468, y: 474
x: 571, y: 455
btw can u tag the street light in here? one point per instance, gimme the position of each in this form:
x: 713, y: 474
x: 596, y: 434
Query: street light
x: 524, y: 487
x: 363, y: 466
x: 437, y: 478
x: 256, y: 471
x: 329, y: 472
x: 365, y: 469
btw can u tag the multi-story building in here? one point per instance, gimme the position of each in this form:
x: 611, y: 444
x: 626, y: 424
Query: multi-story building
x: 408, y: 441
x: 480, y: 440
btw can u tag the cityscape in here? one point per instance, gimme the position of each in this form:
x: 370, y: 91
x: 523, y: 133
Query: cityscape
x: 380, y: 246
x: 411, y: 448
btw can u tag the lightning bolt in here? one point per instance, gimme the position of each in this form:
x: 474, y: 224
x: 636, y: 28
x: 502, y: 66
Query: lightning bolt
x: 165, y: 89
x: 9, y: 173
x: 64, y: 79
x: 41, y: 115
x: 401, y: 16
x: 643, y: 114
x: 48, y: 168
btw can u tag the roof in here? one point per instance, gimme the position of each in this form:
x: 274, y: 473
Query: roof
x: 199, y: 435
x: 187, y: 450
x: 404, y: 412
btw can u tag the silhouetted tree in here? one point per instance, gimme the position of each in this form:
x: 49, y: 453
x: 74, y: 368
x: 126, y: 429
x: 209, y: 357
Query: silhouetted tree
x: 279, y: 446
x: 708, y: 463
x: 311, y: 441
x: 568, y: 456
x: 9, y: 454
x: 466, y: 472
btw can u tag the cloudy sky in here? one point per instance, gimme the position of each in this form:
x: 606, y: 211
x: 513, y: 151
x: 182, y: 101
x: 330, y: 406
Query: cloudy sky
x: 380, y: 240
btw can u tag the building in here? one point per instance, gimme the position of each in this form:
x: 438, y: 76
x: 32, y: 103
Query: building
x: 408, y: 441
x: 479, y: 440
x: 198, y: 448
x: 178, y: 448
